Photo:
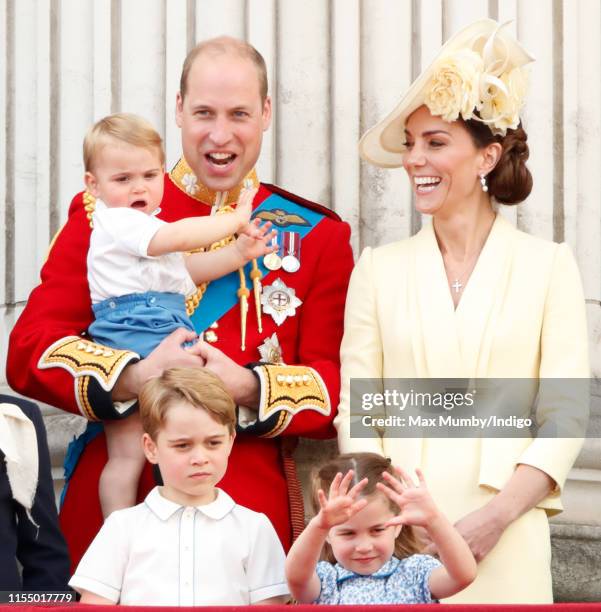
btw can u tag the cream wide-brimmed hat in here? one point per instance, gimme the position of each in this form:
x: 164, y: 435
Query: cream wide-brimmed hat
x: 479, y: 69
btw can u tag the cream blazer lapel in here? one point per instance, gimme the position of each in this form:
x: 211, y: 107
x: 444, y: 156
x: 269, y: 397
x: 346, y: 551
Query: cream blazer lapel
x: 434, y: 332
x: 482, y: 299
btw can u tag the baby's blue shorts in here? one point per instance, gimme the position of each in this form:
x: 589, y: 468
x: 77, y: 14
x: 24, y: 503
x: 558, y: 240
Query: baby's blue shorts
x: 138, y: 321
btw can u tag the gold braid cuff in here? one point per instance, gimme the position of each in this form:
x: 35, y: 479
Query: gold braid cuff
x: 81, y: 395
x: 85, y: 358
x: 287, y: 390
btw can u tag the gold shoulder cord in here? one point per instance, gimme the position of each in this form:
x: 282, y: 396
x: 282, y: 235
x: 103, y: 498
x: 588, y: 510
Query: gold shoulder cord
x: 243, y: 294
x: 89, y: 204
x: 256, y: 275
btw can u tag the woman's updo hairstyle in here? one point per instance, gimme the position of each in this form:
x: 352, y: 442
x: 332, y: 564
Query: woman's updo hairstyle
x: 510, y: 182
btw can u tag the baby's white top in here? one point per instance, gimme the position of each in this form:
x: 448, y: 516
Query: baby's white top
x: 118, y: 260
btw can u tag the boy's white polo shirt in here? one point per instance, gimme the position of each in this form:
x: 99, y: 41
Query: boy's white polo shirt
x: 159, y: 553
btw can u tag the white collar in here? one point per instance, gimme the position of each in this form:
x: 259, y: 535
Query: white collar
x: 165, y: 508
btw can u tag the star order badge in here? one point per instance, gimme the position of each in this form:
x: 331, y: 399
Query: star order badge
x: 270, y: 350
x: 279, y: 301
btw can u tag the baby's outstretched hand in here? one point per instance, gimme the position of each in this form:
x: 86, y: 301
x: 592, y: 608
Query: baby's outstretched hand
x: 416, y: 503
x: 254, y: 240
x: 244, y: 207
x: 341, y: 502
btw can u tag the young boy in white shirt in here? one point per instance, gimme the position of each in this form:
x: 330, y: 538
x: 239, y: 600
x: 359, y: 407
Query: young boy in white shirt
x: 188, y: 543
x: 138, y: 275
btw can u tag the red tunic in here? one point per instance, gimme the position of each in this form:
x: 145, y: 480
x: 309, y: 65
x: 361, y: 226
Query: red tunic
x: 257, y: 476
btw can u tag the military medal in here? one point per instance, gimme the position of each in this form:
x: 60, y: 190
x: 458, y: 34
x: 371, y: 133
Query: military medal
x: 279, y: 301
x: 291, y: 251
x: 273, y: 261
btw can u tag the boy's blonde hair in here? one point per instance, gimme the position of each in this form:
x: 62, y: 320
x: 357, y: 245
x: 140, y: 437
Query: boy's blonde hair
x: 123, y: 127
x: 198, y: 387
x: 364, y: 465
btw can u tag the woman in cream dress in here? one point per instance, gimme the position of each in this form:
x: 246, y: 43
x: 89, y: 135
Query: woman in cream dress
x: 470, y: 296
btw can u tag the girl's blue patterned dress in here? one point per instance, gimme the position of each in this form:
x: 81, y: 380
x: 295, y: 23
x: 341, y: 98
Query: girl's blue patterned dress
x: 402, y: 581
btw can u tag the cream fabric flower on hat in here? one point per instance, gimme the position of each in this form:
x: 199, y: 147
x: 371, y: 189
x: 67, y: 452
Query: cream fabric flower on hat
x: 480, y: 83
x: 502, y: 101
x: 455, y: 86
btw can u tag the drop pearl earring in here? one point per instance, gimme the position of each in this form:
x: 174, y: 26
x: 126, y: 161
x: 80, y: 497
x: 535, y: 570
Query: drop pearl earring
x: 483, y: 183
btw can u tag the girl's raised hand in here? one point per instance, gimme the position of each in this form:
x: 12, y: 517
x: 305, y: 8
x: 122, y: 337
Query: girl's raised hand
x: 416, y: 503
x: 341, y: 502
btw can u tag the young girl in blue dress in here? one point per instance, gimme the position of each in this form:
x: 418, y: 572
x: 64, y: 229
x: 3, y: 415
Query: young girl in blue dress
x: 363, y: 531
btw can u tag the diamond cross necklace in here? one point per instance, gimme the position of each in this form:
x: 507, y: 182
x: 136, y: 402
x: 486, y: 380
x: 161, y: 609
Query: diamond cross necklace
x: 456, y: 285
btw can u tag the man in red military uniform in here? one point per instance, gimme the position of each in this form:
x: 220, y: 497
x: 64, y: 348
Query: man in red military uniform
x: 276, y: 348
